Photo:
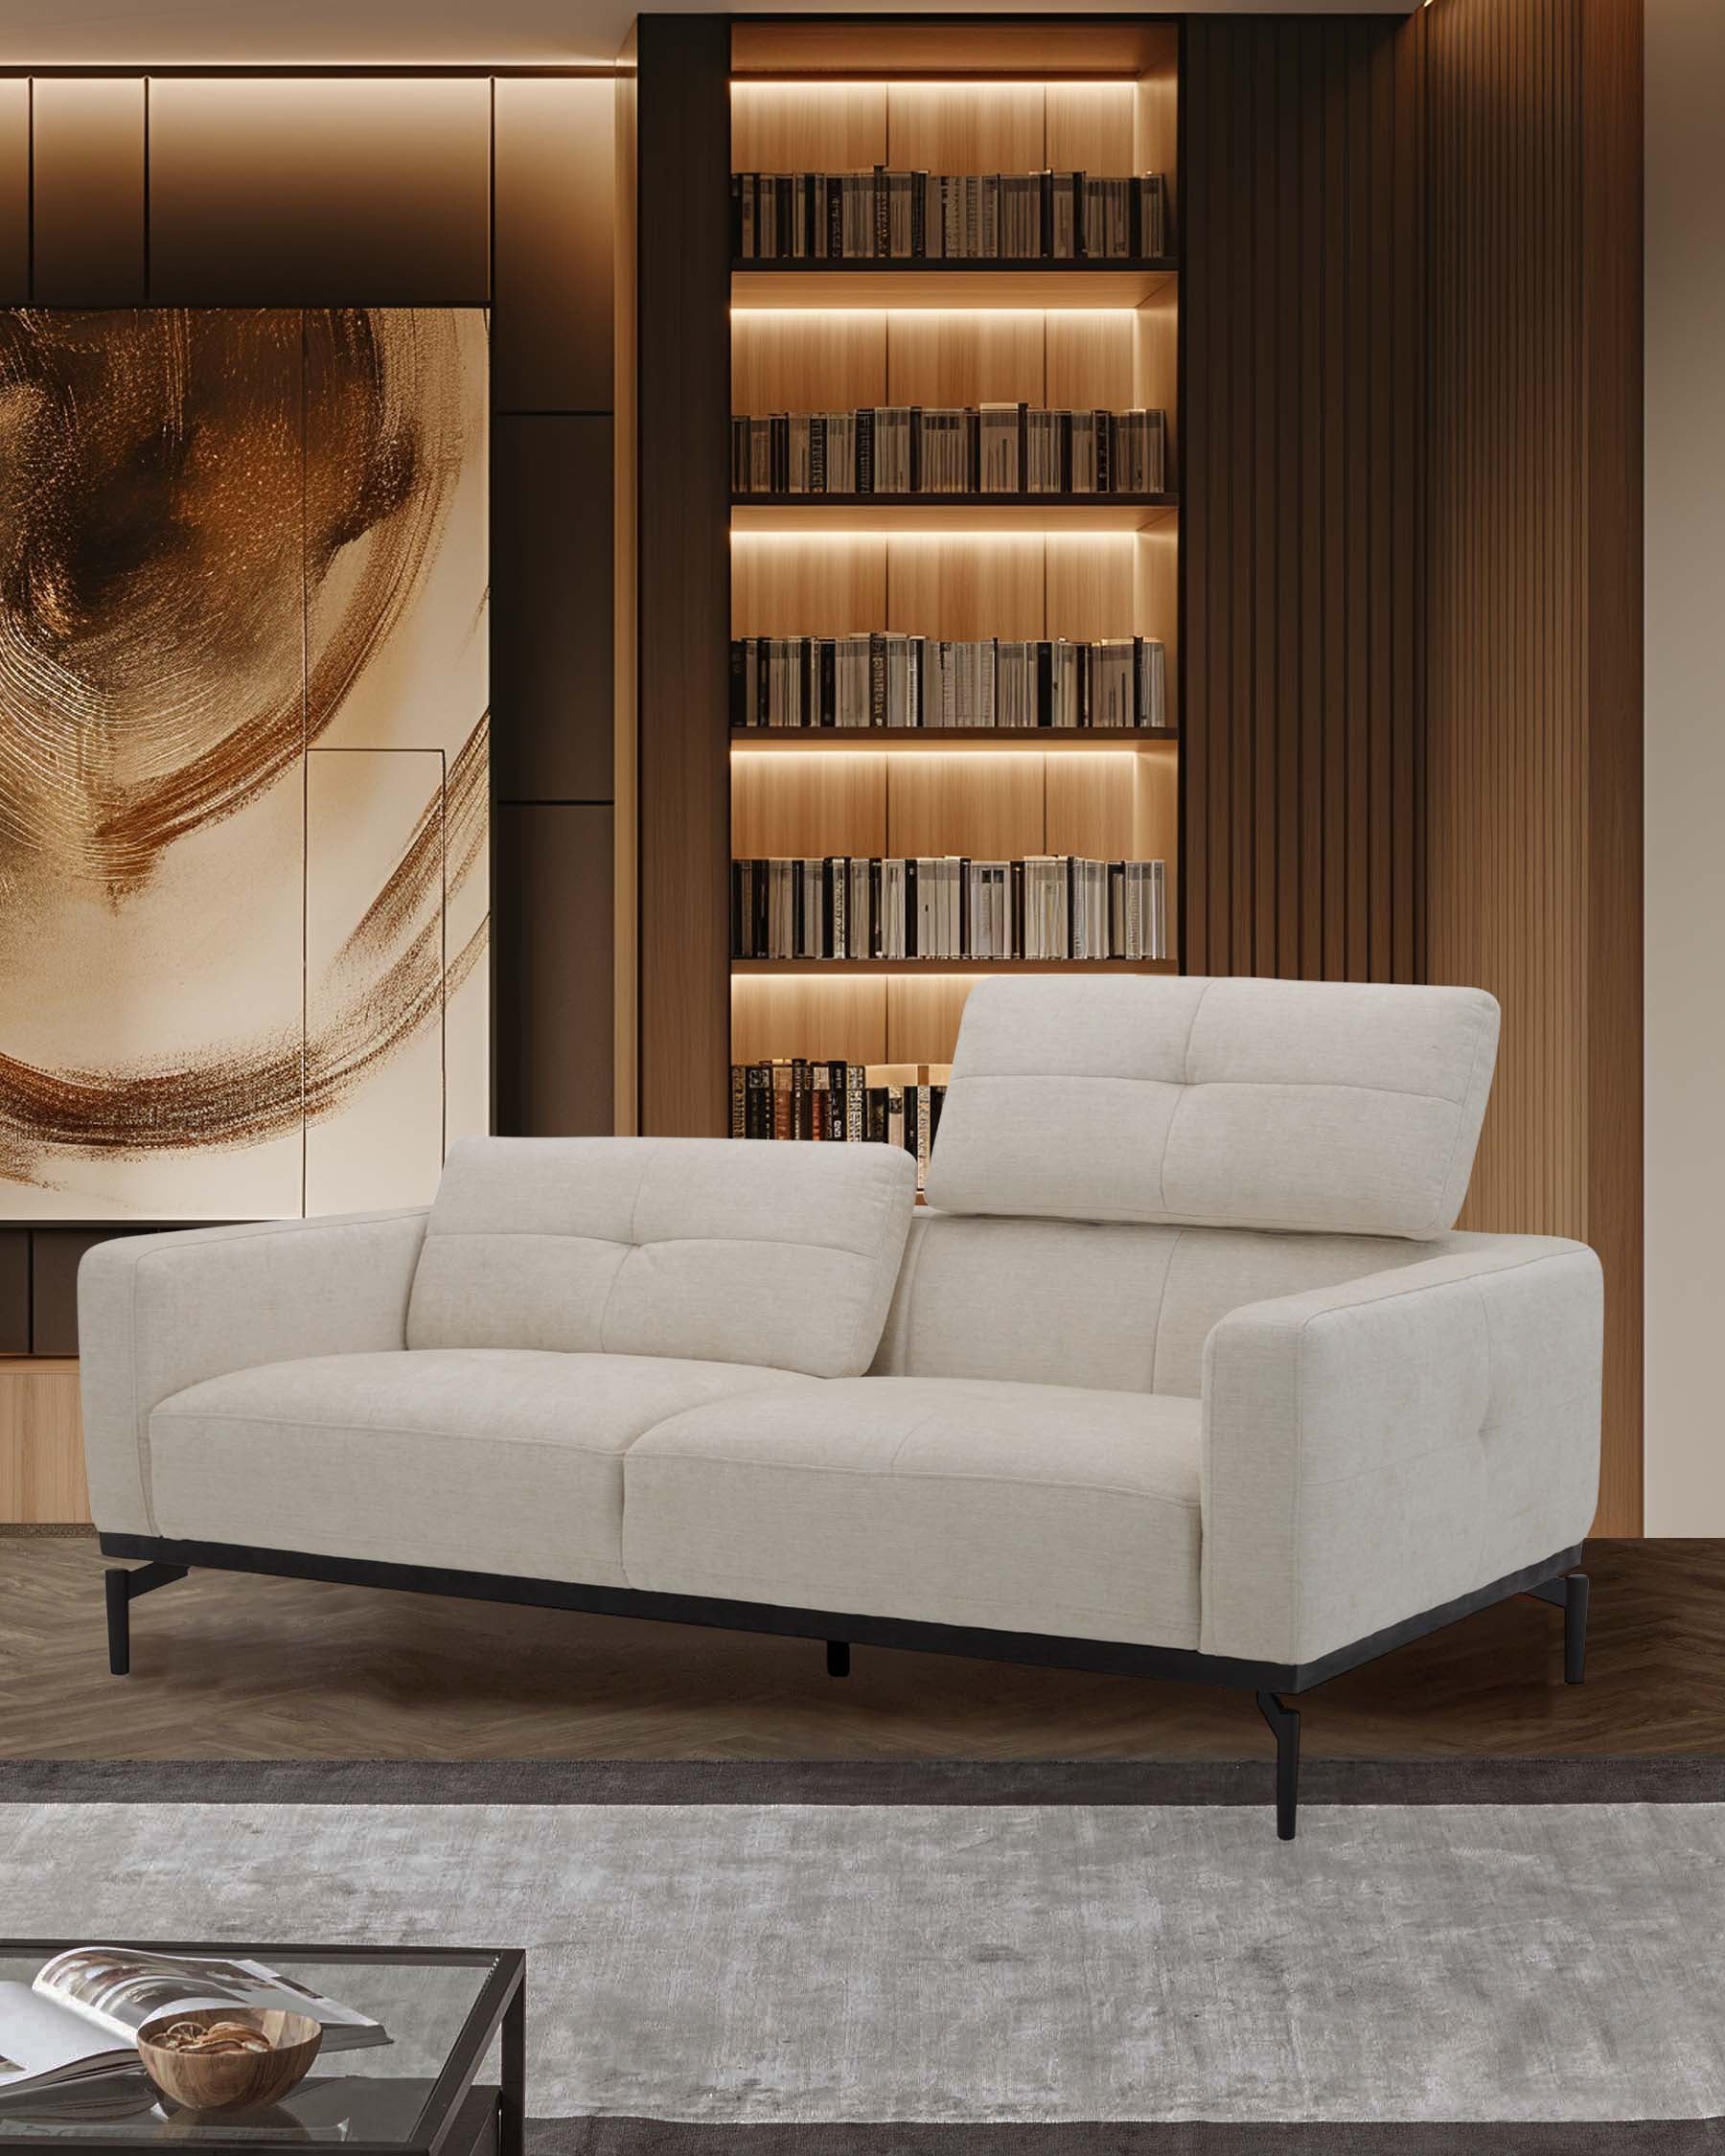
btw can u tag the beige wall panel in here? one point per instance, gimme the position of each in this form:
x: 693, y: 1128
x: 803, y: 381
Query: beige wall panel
x: 808, y: 127
x: 791, y: 802
x: 1685, y: 767
x: 1090, y: 127
x: 42, y: 1445
x: 373, y: 819
x: 295, y: 191
x: 965, y: 587
x: 425, y: 682
x: 1089, y: 354
x: 824, y: 1016
x: 150, y: 933
x: 961, y: 355
x: 1090, y: 584
x: 88, y: 192
x: 14, y: 191
x: 795, y: 359
x: 989, y: 806
x: 965, y: 126
x: 819, y: 585
x: 555, y: 174
x: 923, y: 1015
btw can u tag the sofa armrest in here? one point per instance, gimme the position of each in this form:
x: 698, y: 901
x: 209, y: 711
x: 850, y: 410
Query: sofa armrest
x: 1372, y: 1451
x: 158, y: 1313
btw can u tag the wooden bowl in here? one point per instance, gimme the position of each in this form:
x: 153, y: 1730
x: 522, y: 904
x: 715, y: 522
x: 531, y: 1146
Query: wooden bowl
x: 232, y: 2080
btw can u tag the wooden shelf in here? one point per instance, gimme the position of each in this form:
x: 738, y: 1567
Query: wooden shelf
x: 988, y: 49
x: 979, y: 283
x: 937, y: 741
x: 948, y: 513
x: 871, y: 968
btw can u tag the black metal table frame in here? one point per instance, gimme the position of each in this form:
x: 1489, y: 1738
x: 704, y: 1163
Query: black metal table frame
x: 1553, y: 1579
x: 501, y: 2004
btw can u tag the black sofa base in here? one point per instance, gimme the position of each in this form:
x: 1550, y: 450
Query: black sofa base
x: 1553, y: 1579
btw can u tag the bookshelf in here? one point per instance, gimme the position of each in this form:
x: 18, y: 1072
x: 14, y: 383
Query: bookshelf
x: 946, y: 96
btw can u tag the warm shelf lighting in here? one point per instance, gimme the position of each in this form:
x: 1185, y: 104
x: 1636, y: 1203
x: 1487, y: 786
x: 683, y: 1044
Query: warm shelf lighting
x: 922, y: 314
x: 827, y: 535
x: 799, y: 85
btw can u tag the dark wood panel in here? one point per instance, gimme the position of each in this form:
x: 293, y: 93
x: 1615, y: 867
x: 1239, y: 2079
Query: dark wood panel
x: 555, y: 180
x: 683, y: 572
x: 14, y: 1291
x: 1612, y: 672
x: 1536, y: 667
x: 553, y: 978
x: 15, y: 193
x: 287, y: 192
x: 553, y: 725
x: 54, y: 1254
x: 1303, y: 287
x: 87, y: 194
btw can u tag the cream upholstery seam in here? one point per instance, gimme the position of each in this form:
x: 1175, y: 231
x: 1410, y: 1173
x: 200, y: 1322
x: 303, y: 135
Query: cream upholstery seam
x: 889, y: 1474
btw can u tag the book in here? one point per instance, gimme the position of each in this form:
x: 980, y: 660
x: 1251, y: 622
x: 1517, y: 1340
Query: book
x: 897, y: 214
x: 78, y: 2021
x: 972, y: 451
x: 935, y: 907
x: 886, y: 678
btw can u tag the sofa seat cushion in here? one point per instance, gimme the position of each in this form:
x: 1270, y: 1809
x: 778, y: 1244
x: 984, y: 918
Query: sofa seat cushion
x: 965, y: 1501
x: 484, y: 1460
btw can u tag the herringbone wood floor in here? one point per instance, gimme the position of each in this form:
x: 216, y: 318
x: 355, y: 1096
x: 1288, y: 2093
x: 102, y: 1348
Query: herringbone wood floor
x: 232, y: 1667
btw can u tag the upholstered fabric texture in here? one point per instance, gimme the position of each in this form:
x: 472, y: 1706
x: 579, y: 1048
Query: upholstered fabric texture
x: 1373, y: 1450
x: 159, y: 1313
x: 1111, y: 1304
x: 1263, y: 1104
x: 1032, y: 1508
x: 481, y: 1459
x: 777, y: 1254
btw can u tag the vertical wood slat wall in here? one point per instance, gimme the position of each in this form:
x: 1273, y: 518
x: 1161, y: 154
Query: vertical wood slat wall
x: 1304, y: 304
x: 1535, y: 679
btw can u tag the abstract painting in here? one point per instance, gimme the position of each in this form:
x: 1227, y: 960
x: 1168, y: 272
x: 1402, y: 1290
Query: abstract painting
x: 244, y: 792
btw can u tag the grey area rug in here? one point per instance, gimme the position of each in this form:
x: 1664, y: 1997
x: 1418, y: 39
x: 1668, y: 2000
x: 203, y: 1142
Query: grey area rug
x: 957, y: 1959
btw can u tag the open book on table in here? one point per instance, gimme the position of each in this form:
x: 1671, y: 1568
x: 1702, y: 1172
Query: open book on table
x: 79, y: 2020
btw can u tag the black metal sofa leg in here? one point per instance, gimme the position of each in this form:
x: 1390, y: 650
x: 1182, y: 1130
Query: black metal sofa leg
x: 838, y: 1658
x: 1570, y: 1593
x: 1284, y: 1726
x: 123, y: 1588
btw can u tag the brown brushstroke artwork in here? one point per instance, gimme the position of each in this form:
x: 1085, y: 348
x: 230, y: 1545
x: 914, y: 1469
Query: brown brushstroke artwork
x: 231, y: 539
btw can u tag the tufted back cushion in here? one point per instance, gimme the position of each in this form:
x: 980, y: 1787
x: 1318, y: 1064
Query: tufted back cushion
x: 697, y: 1248
x: 1115, y: 1306
x: 1313, y: 1106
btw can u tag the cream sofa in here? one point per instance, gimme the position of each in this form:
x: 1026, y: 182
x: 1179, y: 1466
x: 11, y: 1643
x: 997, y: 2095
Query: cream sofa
x: 1183, y: 1369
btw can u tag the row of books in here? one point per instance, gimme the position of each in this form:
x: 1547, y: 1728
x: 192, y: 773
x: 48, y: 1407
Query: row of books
x: 995, y: 449
x: 901, y: 216
x: 858, y: 1103
x: 948, y: 906
x: 884, y: 680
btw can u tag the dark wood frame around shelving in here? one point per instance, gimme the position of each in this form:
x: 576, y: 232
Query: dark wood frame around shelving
x: 684, y: 291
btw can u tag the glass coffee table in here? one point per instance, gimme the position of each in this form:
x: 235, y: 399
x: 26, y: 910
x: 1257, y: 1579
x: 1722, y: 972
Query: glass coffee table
x: 419, y: 2094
